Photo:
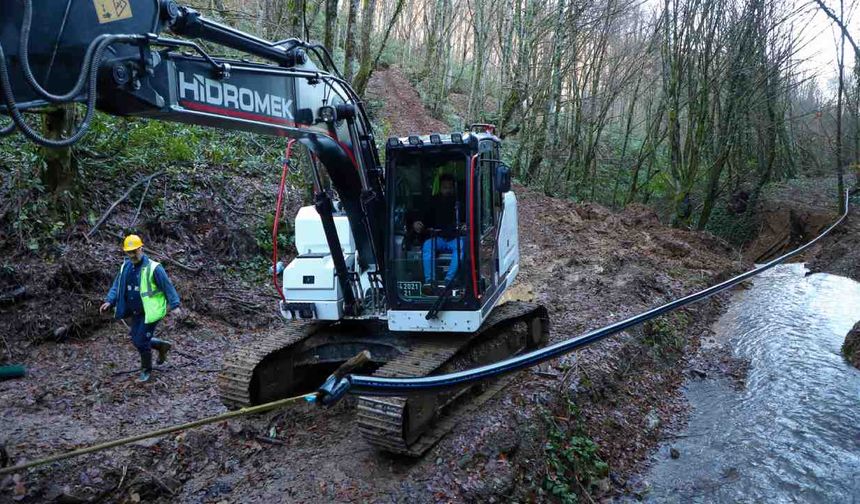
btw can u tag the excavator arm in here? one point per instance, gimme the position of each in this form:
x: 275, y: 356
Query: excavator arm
x: 114, y: 56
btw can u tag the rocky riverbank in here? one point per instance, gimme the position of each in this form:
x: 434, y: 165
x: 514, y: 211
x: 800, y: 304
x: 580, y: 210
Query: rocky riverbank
x: 851, y: 347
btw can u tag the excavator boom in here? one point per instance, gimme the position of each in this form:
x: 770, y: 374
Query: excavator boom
x: 113, y: 56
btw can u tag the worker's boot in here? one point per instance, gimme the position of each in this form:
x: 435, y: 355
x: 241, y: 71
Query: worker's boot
x: 162, y: 347
x: 145, y: 367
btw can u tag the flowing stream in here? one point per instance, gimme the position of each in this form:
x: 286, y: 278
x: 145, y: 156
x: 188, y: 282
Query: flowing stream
x: 793, y: 433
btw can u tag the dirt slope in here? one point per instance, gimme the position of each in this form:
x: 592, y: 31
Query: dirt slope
x: 588, y: 265
x: 402, y: 108
x: 839, y: 253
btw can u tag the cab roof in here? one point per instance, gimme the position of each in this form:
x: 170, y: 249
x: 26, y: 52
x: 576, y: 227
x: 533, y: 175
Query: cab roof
x: 468, y: 140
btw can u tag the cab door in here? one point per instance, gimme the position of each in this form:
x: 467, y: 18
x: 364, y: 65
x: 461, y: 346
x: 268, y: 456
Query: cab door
x: 488, y: 207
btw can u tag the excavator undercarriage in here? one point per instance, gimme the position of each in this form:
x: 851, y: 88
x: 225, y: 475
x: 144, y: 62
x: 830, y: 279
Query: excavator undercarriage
x: 295, y: 359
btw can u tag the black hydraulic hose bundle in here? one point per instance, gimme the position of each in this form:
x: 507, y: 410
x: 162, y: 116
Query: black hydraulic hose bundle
x: 333, y: 390
x: 86, y: 80
x: 24, y: 51
x: 101, y: 45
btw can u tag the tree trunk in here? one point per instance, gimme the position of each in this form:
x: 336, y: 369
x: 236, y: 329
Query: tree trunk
x: 330, y: 28
x: 365, y: 58
x: 839, y: 166
x: 369, y: 62
x: 60, y: 166
x: 554, y: 103
x: 349, y: 49
x: 367, y: 16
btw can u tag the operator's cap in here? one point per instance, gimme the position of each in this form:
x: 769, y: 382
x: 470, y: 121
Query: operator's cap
x: 132, y: 242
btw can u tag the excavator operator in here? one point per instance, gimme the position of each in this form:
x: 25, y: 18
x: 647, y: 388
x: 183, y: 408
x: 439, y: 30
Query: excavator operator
x: 443, y: 222
x: 142, y: 290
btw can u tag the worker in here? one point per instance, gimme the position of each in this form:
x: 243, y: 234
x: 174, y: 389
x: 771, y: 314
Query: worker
x: 143, y: 292
x: 444, y: 217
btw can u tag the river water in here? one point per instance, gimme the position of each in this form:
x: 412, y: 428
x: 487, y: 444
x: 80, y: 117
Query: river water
x: 793, y: 433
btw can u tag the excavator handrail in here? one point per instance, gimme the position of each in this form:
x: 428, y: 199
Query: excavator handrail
x: 334, y: 390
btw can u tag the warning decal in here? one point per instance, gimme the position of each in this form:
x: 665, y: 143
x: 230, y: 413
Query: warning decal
x: 112, y: 10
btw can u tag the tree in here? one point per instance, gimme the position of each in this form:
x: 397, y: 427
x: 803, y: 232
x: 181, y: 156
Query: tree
x: 330, y: 24
x: 369, y: 61
x: 60, y: 165
x: 349, y: 46
x: 840, y: 167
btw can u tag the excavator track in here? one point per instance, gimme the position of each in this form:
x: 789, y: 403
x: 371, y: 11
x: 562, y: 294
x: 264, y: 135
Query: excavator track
x: 410, y: 426
x: 238, y: 382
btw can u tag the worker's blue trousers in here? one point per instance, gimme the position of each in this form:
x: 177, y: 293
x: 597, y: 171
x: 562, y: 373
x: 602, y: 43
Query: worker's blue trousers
x: 442, y: 246
x: 141, y: 333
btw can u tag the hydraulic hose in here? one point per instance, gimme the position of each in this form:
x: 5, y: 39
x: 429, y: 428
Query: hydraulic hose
x: 18, y: 118
x: 280, y: 201
x: 7, y: 130
x: 87, y: 79
x: 24, y: 53
x: 332, y: 390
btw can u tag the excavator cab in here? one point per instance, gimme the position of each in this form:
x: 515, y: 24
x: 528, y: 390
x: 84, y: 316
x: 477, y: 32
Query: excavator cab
x: 448, y: 259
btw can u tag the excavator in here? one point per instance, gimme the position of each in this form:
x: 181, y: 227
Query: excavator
x: 372, y: 272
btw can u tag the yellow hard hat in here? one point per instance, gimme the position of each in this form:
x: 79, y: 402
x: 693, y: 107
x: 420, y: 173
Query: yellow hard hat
x: 132, y: 242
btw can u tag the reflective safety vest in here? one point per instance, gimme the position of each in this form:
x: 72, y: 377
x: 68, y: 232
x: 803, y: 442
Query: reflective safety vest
x: 153, y: 299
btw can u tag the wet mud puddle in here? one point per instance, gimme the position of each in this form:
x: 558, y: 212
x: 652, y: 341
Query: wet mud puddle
x: 793, y: 433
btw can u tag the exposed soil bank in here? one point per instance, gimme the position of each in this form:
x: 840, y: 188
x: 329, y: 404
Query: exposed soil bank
x: 588, y: 265
x: 839, y: 253
x: 789, y: 214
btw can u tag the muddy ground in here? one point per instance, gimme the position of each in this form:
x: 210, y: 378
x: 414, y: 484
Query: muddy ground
x: 588, y: 265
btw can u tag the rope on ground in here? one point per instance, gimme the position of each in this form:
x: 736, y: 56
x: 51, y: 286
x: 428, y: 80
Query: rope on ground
x: 310, y: 397
x: 354, y: 363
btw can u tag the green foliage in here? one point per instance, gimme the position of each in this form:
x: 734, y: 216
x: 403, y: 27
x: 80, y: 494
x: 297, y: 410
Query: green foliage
x: 115, y: 152
x: 737, y: 229
x: 142, y: 143
x: 665, y: 334
x: 573, y: 463
x: 391, y: 53
x: 263, y: 235
x: 35, y: 224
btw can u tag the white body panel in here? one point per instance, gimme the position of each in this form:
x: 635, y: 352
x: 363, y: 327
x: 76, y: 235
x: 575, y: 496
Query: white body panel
x: 447, y: 321
x: 310, y: 237
x: 310, y: 277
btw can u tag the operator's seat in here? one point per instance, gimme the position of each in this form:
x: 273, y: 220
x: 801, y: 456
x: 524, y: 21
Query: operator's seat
x: 413, y: 255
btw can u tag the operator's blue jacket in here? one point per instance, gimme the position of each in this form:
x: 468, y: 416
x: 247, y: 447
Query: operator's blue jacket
x: 116, y: 295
